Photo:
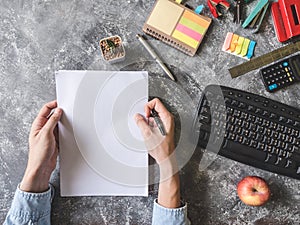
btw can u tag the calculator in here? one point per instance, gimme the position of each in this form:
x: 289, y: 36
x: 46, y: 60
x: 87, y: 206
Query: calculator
x: 281, y: 74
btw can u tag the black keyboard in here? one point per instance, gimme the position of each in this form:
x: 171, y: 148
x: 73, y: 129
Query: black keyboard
x: 250, y: 129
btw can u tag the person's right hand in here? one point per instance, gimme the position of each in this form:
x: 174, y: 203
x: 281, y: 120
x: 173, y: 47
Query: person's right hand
x: 43, y: 150
x: 160, y: 147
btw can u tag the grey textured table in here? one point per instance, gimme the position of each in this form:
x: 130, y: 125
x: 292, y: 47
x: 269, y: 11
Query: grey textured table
x: 39, y: 37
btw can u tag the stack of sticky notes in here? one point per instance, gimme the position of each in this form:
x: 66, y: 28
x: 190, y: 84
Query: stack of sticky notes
x: 239, y: 46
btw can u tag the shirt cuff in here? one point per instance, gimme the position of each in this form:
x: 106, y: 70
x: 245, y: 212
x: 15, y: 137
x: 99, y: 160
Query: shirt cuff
x: 31, y: 206
x: 163, y: 215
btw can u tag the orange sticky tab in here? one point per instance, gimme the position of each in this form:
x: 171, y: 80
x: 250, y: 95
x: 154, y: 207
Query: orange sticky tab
x: 196, y: 18
x: 227, y: 41
x: 234, y: 42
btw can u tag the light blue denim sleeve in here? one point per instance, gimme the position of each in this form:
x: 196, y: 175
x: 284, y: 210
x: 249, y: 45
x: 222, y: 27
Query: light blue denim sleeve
x: 30, y: 208
x: 166, y: 216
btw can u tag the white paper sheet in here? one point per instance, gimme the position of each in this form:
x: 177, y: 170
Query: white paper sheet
x: 101, y: 149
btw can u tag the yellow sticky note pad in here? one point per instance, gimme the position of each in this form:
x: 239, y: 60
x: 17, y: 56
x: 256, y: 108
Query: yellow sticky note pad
x: 165, y: 22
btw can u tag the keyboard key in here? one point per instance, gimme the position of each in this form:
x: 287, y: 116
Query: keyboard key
x: 270, y: 158
x: 247, y: 151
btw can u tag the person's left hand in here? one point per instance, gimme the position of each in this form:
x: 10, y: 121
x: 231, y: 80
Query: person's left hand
x: 43, y: 150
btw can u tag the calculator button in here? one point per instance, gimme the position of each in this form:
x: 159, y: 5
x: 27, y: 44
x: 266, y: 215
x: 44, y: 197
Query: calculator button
x: 285, y: 64
x: 273, y: 86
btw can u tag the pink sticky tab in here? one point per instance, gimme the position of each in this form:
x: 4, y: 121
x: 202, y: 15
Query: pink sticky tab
x: 189, y: 32
x: 227, y: 41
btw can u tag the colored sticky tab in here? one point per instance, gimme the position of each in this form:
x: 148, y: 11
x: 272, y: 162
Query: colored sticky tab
x: 251, y: 49
x: 227, y: 41
x: 239, y: 46
x: 195, y: 18
x: 185, y: 39
x: 245, y: 47
x: 192, y: 25
x: 234, y: 42
x: 190, y: 32
x: 178, y: 1
x: 199, y: 9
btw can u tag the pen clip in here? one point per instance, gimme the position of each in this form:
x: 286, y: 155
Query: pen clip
x: 154, y: 113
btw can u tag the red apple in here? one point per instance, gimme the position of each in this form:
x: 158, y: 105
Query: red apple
x: 253, y: 190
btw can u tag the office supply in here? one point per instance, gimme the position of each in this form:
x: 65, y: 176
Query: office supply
x: 281, y: 74
x: 239, y: 46
x: 154, y: 56
x: 158, y: 122
x: 265, y: 59
x: 286, y: 18
x: 101, y: 149
x: 199, y: 9
x: 250, y: 129
x: 112, y: 49
x: 254, y: 20
x: 237, y: 11
x: 177, y: 26
x: 218, y: 7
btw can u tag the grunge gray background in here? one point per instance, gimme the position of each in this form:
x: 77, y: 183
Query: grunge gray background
x: 38, y: 37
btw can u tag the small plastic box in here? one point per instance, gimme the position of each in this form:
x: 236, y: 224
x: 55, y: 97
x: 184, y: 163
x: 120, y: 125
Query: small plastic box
x: 112, y: 49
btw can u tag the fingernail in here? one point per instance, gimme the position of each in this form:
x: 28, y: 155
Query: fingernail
x: 136, y: 116
x: 58, y: 111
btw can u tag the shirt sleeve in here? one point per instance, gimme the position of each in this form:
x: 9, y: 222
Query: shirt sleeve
x: 30, y: 208
x: 167, y: 216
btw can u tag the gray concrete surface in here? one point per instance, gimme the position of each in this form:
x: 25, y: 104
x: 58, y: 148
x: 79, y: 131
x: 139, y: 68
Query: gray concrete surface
x: 38, y: 37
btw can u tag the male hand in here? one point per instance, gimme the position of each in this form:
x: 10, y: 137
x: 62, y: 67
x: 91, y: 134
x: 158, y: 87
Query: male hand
x: 160, y: 147
x: 43, y: 150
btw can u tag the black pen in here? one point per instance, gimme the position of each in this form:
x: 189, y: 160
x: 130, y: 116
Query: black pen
x: 158, y: 122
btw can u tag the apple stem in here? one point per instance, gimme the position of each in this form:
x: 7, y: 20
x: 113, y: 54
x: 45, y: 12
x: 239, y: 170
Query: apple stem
x: 254, y: 190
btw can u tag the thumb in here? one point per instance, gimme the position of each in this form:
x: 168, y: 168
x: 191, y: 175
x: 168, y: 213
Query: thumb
x: 53, y: 120
x: 142, y: 124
